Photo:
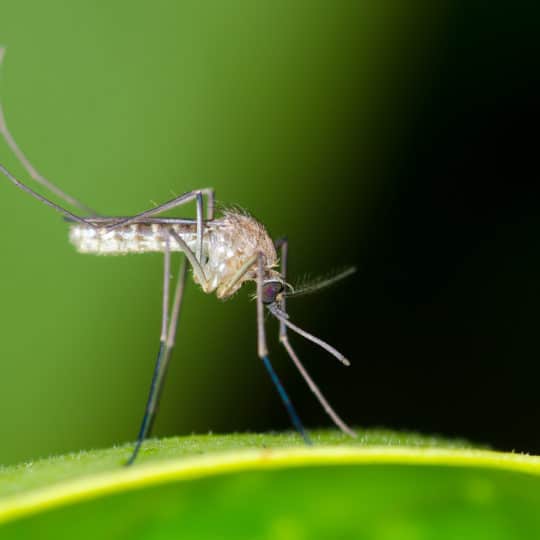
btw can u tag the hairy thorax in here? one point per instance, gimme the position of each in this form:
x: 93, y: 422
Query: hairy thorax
x: 228, y: 243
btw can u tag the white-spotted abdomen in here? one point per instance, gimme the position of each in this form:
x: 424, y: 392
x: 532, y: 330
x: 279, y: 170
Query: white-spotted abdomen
x: 134, y: 238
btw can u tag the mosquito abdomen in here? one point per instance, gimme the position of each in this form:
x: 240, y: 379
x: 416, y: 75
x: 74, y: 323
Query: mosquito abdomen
x: 134, y: 238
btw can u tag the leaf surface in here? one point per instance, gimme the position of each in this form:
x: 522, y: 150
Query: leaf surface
x: 381, y: 485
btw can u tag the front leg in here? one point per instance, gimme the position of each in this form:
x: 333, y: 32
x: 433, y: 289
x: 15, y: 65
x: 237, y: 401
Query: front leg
x: 262, y: 350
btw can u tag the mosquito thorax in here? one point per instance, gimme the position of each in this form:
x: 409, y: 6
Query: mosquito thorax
x: 234, y: 239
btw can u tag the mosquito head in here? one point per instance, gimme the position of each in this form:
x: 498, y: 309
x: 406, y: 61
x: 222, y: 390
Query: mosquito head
x: 272, y: 288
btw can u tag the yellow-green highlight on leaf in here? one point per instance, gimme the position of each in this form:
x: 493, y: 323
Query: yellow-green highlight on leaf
x: 47, y: 471
x: 68, y: 483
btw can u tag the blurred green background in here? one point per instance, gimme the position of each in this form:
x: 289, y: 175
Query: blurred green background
x: 308, y: 114
x: 123, y: 103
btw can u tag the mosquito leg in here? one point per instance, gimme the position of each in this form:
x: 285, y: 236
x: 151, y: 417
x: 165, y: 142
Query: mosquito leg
x: 167, y: 340
x: 200, y: 226
x: 196, y: 195
x: 200, y: 218
x: 284, y: 339
x: 30, y: 169
x: 197, y: 267
x: 210, y: 203
x: 177, y: 304
x: 262, y: 350
x: 173, y: 327
x: 151, y: 404
x: 169, y: 205
x: 43, y: 199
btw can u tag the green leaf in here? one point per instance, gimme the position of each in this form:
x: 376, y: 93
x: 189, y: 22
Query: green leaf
x: 383, y: 485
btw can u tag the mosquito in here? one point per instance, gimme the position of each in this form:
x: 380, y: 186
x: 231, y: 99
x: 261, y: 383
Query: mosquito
x: 224, y: 252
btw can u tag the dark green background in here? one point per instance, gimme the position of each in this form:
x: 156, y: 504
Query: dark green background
x: 388, y: 135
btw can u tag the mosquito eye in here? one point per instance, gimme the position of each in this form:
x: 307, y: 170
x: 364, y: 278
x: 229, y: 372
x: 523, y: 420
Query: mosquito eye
x: 270, y: 290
